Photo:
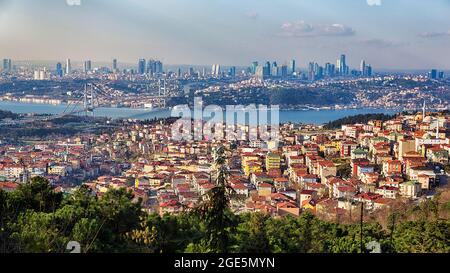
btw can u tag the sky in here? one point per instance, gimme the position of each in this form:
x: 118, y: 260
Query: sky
x: 394, y: 34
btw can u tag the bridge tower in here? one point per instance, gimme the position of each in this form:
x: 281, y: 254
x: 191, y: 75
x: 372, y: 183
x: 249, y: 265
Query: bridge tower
x: 88, y: 99
x: 85, y: 99
x: 162, y: 94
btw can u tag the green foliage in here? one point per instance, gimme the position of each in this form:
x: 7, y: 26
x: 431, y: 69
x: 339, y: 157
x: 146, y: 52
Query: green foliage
x: 38, y: 220
x: 8, y: 114
x: 309, y: 96
x: 35, y: 219
x: 447, y: 169
x: 362, y: 118
x: 38, y: 232
x: 349, y: 240
x: 37, y: 195
x: 214, y: 210
x: 446, y: 206
x: 251, y: 234
x: 305, y: 234
x: 344, y: 170
x: 423, y: 237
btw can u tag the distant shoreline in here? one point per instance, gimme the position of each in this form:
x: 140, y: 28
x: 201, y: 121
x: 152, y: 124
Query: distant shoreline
x: 299, y: 108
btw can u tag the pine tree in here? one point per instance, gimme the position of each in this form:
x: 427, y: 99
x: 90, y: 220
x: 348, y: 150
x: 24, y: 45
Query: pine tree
x: 214, y: 210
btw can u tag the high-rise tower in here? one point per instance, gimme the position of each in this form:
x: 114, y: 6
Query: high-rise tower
x: 68, y: 67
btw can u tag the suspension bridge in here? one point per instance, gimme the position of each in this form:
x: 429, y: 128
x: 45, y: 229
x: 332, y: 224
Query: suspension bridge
x: 91, y: 98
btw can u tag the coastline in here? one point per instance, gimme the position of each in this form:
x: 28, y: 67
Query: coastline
x: 307, y: 116
x: 55, y: 102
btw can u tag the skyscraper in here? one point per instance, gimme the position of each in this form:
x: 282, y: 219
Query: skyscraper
x: 7, y: 65
x: 232, y: 71
x: 40, y: 75
x: 292, y: 68
x: 114, y: 65
x: 260, y: 72
x: 87, y: 66
x: 159, y: 67
x: 318, y: 71
x: 363, y: 68
x: 191, y: 71
x: 284, y: 71
x: 68, y: 67
x: 215, y: 70
x: 154, y: 67
x: 141, y: 66
x: 369, y: 71
x: 274, y: 69
x: 150, y: 67
x: 343, y: 70
x: 267, y: 70
x: 338, y: 67
x: 59, y: 70
x: 253, y: 67
x: 311, y: 73
x: 433, y: 74
x: 330, y: 70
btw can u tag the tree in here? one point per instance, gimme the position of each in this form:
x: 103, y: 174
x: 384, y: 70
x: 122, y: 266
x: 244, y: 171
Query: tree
x: 38, y: 232
x: 251, y: 236
x: 422, y: 237
x: 118, y: 215
x: 214, y: 210
x: 38, y: 195
x: 344, y: 170
x: 348, y: 239
x: 34, y: 220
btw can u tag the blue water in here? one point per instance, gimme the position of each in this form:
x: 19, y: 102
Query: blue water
x: 304, y: 116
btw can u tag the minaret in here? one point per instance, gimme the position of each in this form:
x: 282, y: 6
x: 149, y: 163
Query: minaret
x: 437, y: 128
x: 423, y: 111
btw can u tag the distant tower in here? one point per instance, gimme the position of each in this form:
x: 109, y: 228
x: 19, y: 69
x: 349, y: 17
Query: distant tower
x: 343, y: 65
x: 68, y: 67
x: 369, y: 70
x: 292, y: 68
x: 7, y: 65
x: 59, y: 70
x: 141, y: 66
x: 87, y: 66
x: 253, y: 67
x: 114, y: 65
x: 215, y: 70
x: 362, y: 68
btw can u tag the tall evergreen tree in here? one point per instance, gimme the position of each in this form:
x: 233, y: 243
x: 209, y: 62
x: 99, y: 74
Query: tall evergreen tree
x: 214, y: 210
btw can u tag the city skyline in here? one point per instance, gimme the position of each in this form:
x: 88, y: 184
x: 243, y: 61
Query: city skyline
x: 231, y: 33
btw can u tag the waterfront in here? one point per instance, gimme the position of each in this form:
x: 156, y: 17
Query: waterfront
x: 295, y: 116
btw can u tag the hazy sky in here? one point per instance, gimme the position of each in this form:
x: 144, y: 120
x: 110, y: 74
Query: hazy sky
x: 396, y: 34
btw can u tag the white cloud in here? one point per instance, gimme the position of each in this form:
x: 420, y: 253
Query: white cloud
x: 434, y: 34
x: 374, y: 2
x: 303, y: 29
x: 380, y: 43
x: 252, y: 15
x: 73, y: 2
